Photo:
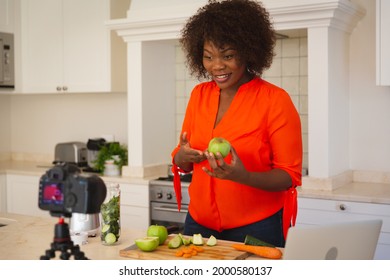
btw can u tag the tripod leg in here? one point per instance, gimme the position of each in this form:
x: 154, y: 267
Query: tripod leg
x: 64, y: 244
x: 45, y: 257
x: 50, y: 253
x: 64, y: 255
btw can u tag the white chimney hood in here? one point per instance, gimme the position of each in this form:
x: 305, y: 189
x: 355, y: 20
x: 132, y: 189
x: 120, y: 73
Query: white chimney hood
x: 152, y: 26
x: 161, y: 20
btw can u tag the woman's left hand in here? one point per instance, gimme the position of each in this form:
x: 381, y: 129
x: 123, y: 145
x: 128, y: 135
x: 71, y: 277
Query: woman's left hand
x: 272, y: 180
x: 222, y: 170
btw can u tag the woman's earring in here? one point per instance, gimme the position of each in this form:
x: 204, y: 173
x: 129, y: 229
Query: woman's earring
x: 250, y: 71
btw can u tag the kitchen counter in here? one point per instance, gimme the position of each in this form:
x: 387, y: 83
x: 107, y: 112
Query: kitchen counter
x: 28, y: 237
x: 355, y: 191
x: 38, y: 169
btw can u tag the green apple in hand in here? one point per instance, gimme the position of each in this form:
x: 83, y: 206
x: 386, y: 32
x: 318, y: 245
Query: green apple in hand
x: 159, y: 231
x: 148, y: 243
x: 219, y: 144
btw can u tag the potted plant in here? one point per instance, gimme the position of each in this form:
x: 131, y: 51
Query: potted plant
x: 110, y: 159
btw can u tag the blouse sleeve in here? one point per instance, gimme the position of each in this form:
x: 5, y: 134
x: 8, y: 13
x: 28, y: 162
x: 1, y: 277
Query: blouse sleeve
x: 285, y: 137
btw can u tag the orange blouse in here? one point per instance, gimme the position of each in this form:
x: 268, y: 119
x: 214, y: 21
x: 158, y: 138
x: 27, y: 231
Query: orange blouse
x: 264, y: 127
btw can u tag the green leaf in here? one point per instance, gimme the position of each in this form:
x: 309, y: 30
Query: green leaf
x: 107, y: 152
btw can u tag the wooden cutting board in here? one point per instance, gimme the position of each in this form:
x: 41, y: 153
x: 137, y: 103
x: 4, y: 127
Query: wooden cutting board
x: 222, y: 251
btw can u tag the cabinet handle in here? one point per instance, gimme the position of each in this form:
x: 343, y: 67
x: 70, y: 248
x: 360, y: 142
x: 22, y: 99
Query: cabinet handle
x: 65, y: 88
x: 58, y: 88
x: 343, y: 207
x: 169, y: 209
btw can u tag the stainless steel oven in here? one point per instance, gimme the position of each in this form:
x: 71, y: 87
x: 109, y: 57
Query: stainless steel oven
x: 7, y: 66
x: 163, y: 204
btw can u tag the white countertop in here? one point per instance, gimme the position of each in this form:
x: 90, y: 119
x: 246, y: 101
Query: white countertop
x: 355, y: 191
x: 38, y: 169
x: 28, y: 238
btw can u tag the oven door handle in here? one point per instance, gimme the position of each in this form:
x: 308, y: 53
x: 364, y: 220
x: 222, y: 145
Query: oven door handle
x: 170, y: 209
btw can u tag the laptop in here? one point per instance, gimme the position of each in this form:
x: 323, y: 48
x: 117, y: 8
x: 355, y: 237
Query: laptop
x: 356, y: 240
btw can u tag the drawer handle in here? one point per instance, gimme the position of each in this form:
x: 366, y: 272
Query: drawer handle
x: 168, y: 209
x: 343, y: 207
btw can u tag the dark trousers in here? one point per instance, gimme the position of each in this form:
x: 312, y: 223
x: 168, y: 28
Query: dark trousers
x: 269, y: 230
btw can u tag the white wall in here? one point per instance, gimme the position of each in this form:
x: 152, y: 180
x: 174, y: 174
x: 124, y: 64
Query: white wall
x: 151, y: 106
x: 369, y: 104
x: 38, y: 122
x: 5, y: 141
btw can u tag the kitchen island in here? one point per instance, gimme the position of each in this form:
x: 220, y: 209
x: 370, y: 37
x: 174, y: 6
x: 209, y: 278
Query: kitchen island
x: 353, y: 201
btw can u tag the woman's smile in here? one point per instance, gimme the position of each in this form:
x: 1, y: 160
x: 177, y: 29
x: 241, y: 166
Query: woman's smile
x: 221, y: 78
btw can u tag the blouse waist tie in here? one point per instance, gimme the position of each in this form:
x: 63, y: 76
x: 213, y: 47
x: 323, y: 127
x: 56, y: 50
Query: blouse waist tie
x: 290, y: 210
x: 177, y: 185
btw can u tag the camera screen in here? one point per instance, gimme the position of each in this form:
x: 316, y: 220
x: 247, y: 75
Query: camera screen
x: 53, y: 194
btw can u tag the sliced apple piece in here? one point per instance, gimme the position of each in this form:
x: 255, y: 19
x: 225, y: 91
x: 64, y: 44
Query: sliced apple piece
x: 212, y: 241
x: 185, y: 241
x: 197, y: 239
x: 148, y: 243
x: 175, y: 242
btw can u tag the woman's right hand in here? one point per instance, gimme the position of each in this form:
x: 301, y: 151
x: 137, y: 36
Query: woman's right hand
x: 186, y: 155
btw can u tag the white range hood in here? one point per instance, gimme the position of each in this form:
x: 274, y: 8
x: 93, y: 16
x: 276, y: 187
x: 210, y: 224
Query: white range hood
x: 161, y: 20
x: 152, y: 27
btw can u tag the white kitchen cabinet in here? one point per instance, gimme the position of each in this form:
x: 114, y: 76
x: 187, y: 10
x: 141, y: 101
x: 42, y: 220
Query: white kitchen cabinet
x: 312, y: 211
x: 134, y: 205
x: 382, y: 42
x: 65, y: 47
x: 3, y: 193
x: 22, y: 195
x: 6, y: 16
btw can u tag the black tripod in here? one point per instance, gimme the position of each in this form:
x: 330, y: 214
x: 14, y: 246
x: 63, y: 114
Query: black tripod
x: 63, y: 243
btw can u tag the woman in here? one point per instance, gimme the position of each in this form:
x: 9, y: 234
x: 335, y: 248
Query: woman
x: 252, y: 190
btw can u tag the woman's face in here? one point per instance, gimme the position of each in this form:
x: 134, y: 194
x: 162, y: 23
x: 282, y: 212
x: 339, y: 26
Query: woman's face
x: 224, y: 66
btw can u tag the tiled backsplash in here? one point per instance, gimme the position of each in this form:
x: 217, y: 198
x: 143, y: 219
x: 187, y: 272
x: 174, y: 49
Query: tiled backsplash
x: 288, y: 70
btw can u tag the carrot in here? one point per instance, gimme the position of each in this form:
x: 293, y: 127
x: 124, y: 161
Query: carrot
x: 179, y: 253
x: 188, y: 252
x: 262, y: 251
x: 196, y: 248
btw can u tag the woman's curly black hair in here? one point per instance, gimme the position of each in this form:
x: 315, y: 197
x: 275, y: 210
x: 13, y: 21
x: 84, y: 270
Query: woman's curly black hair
x: 242, y: 24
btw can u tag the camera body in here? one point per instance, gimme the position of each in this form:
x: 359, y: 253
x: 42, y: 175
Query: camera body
x: 63, y: 190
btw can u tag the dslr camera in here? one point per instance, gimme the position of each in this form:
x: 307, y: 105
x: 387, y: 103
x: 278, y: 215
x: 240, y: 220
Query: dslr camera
x: 63, y: 190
